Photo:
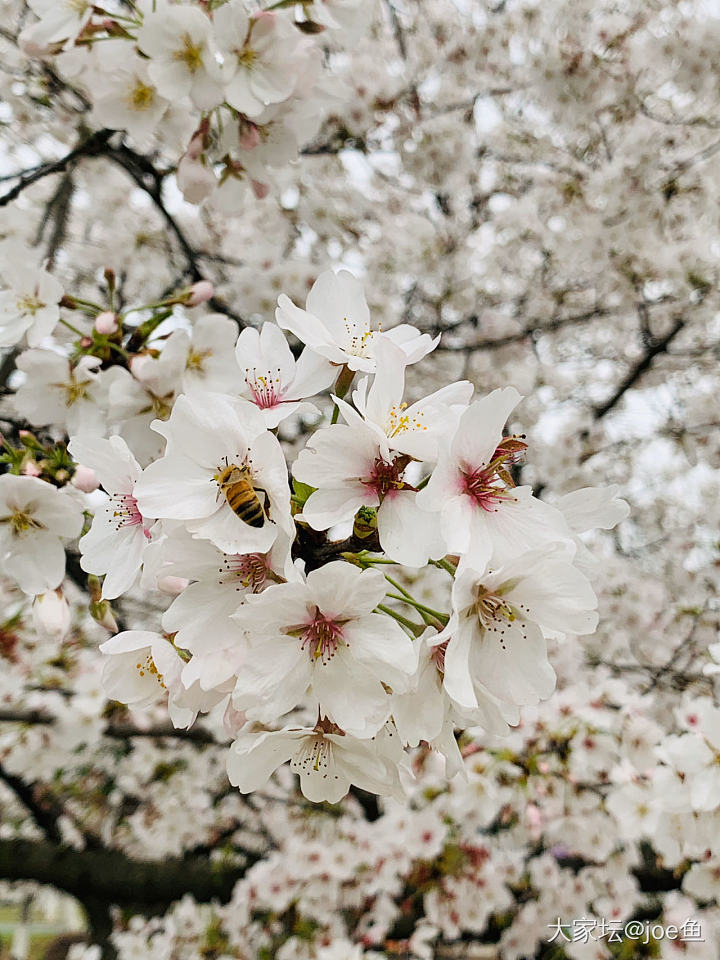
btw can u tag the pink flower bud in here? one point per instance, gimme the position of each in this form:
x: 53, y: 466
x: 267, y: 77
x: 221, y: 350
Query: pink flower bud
x: 248, y: 136
x: 51, y: 614
x: 30, y: 469
x: 195, y: 147
x: 260, y: 190
x: 106, y: 322
x: 84, y: 479
x: 172, y: 585
x: 200, y: 292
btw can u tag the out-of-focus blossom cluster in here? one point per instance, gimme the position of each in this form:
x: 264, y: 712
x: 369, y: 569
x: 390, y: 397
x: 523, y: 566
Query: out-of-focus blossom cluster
x: 241, y: 87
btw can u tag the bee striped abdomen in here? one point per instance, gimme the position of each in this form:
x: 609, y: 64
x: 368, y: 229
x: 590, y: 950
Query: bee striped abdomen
x: 245, y: 503
x: 240, y: 494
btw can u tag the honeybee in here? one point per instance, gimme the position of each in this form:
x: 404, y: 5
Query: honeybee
x: 236, y: 484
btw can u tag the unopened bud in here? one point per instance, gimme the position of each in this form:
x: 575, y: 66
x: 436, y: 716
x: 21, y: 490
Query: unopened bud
x: 248, y: 136
x: 101, y: 612
x: 172, y: 585
x: 200, y: 292
x: 260, y: 190
x: 51, y: 614
x: 30, y: 469
x: 84, y: 479
x: 106, y: 322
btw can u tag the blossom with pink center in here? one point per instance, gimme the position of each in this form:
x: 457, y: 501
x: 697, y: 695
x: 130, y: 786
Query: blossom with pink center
x: 319, y: 642
x: 484, y: 517
x: 115, y: 545
x: 274, y: 381
x: 498, y: 625
x: 326, y: 760
x: 201, y: 615
x: 351, y: 466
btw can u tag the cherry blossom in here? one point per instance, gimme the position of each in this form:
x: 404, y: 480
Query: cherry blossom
x: 336, y: 324
x: 180, y: 42
x: 257, y: 54
x: 483, y: 515
x: 205, y: 437
x: 115, y: 544
x: 35, y: 519
x: 495, y: 633
x: 30, y: 306
x: 322, y: 637
x: 326, y: 761
x: 274, y: 381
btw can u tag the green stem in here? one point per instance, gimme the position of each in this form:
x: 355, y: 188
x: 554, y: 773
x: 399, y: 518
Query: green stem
x: 89, y: 303
x: 118, y: 349
x: 445, y: 565
x: 368, y: 561
x: 421, y: 608
x: 67, y: 324
x: 415, y: 628
x: 424, y: 482
x: 342, y: 385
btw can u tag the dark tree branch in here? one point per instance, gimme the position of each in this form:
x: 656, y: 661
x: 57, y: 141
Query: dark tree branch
x: 116, y: 730
x: 149, y: 179
x: 533, y: 329
x: 42, y: 807
x: 657, y: 347
x: 93, y: 146
x: 114, y: 878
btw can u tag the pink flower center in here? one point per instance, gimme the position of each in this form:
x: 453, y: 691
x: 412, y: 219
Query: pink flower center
x: 321, y: 637
x: 488, y: 484
x: 249, y: 568
x: 265, y: 388
x: 126, y: 513
x: 438, y: 656
x: 386, y: 477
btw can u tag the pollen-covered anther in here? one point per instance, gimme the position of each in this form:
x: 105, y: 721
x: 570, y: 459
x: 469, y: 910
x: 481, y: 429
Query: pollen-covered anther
x: 385, y: 476
x: 401, y: 422
x: 321, y: 637
x: 316, y: 755
x: 126, y: 513
x: 494, y: 613
x: 358, y: 339
x: 250, y: 569
x: 265, y: 387
x: 147, y: 666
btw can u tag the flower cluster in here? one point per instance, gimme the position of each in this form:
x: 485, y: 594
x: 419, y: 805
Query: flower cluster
x: 242, y: 87
x: 290, y: 584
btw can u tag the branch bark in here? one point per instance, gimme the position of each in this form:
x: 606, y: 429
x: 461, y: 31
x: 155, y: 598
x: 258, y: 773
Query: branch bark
x: 657, y: 347
x: 114, y: 878
x: 114, y: 729
x: 93, y: 146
